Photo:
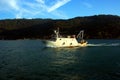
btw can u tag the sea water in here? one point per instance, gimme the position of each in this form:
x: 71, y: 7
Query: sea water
x: 31, y: 60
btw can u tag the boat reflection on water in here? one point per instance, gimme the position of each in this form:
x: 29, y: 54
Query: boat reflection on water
x: 64, y: 57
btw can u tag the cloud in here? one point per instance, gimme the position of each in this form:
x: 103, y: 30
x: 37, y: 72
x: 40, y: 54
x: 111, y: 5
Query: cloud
x: 13, y: 4
x: 7, y: 5
x: 33, y: 8
x: 60, y: 14
x: 88, y: 5
x: 41, y: 1
x: 58, y: 4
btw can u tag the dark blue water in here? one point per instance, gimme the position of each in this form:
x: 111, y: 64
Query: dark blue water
x: 30, y: 60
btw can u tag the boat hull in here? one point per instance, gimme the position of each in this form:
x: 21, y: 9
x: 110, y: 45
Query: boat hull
x: 64, y: 42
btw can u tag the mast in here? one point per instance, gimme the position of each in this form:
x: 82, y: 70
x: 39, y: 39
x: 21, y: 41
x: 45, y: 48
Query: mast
x: 57, y: 32
x: 80, y: 34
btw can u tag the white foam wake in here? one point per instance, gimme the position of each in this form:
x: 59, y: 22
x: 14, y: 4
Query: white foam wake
x: 104, y: 44
x: 101, y: 44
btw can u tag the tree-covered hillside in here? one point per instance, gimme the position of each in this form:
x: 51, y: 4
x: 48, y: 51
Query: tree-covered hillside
x: 98, y: 26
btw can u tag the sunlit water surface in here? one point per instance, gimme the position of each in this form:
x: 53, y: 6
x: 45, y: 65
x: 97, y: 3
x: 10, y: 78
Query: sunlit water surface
x: 31, y: 60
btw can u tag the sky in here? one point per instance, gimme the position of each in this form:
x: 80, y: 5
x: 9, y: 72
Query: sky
x: 57, y: 9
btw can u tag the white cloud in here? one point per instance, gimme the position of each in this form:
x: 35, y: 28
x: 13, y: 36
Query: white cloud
x: 18, y: 15
x: 60, y: 14
x: 5, y: 5
x: 58, y: 4
x: 13, y: 4
x: 25, y: 9
x: 41, y: 1
x: 88, y: 5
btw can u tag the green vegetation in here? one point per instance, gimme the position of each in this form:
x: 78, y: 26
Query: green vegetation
x: 95, y: 27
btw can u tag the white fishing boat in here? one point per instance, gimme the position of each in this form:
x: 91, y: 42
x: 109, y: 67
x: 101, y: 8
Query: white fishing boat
x: 69, y: 41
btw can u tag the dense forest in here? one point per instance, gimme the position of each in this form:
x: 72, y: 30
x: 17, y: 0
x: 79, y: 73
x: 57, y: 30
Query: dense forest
x: 95, y: 27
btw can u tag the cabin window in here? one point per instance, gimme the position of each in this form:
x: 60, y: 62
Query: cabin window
x: 60, y: 39
x: 70, y: 43
x: 63, y: 43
